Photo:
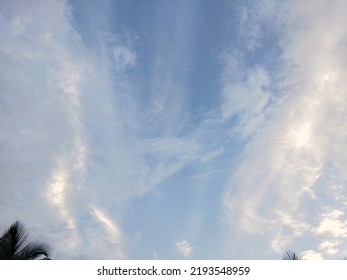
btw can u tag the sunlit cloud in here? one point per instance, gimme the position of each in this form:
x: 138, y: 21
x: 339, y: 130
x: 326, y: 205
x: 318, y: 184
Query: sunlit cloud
x: 110, y: 227
x: 332, y: 223
x: 311, y: 255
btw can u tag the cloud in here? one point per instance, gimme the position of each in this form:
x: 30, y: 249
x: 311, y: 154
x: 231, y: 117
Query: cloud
x: 123, y: 57
x: 283, y: 174
x: 110, y: 227
x: 329, y: 247
x: 245, y: 98
x: 83, y: 136
x: 331, y: 224
x: 311, y: 255
x: 45, y: 74
x: 79, y: 140
x: 184, y: 248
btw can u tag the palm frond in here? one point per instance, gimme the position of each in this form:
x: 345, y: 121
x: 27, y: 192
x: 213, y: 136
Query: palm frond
x: 18, y: 235
x: 290, y: 255
x: 14, y: 245
x: 33, y: 250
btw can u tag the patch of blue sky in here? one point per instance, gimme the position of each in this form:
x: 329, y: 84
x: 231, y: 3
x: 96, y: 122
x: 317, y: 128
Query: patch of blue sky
x: 177, y: 58
x: 210, y: 39
x: 90, y: 19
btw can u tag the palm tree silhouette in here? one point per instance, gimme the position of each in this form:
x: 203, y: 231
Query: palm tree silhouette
x: 290, y: 255
x: 14, y: 245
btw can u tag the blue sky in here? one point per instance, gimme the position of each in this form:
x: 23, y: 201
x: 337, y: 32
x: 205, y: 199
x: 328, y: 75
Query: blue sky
x: 175, y: 129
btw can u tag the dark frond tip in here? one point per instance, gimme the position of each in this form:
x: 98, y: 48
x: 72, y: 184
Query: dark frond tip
x: 290, y: 255
x: 34, y: 250
x: 12, y: 240
x: 18, y: 233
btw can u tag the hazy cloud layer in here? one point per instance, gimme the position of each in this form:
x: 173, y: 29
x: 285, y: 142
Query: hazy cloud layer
x: 119, y: 137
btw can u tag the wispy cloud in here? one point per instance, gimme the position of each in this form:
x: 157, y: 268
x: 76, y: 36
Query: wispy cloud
x: 282, y: 174
x: 73, y: 126
x: 123, y: 57
x: 245, y: 96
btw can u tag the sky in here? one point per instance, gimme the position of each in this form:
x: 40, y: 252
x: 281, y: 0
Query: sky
x: 175, y: 129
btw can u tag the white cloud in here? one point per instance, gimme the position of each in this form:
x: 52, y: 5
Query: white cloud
x: 279, y: 187
x: 184, y: 248
x: 311, y: 255
x: 110, y: 227
x: 332, y: 224
x: 45, y: 74
x: 212, y: 155
x: 245, y: 98
x: 75, y: 133
x: 329, y: 246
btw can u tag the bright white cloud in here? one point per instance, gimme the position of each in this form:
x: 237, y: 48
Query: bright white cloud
x: 332, y: 223
x: 110, y: 227
x: 311, y: 255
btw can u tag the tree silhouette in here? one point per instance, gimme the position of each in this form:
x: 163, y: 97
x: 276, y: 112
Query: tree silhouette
x: 292, y: 256
x: 14, y: 245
